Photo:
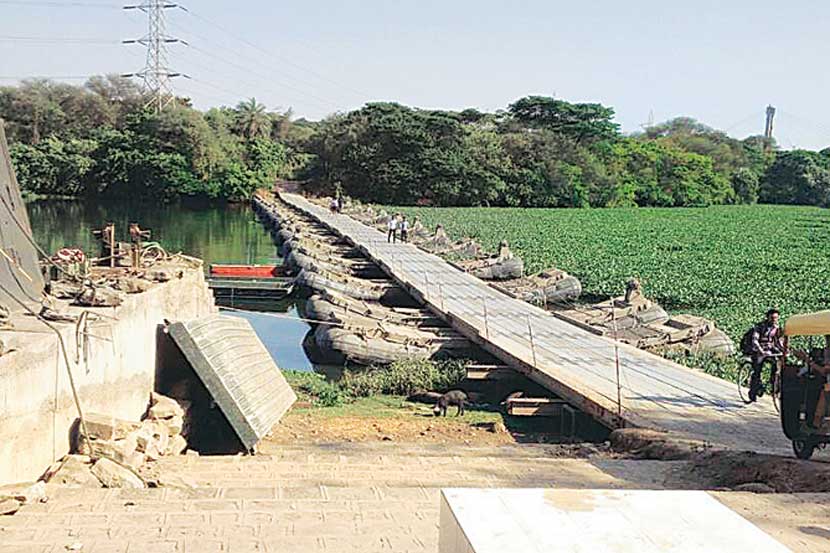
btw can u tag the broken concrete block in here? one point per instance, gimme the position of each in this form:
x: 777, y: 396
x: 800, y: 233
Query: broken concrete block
x: 36, y: 493
x: 75, y: 472
x: 134, y: 460
x: 99, y: 297
x: 106, y: 427
x: 133, y: 285
x: 174, y: 425
x: 113, y: 475
x: 152, y: 432
x: 150, y: 446
x: 163, y: 407
x: 176, y: 446
x: 8, y: 506
x: 121, y: 451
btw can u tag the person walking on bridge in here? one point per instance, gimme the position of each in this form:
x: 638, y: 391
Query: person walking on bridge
x: 392, y: 227
x: 404, y: 229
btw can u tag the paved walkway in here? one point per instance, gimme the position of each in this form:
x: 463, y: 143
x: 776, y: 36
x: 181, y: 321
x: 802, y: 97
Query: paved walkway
x: 571, y: 362
x: 318, y: 498
x: 343, y: 498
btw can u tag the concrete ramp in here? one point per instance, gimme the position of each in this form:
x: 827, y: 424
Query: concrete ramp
x: 237, y: 371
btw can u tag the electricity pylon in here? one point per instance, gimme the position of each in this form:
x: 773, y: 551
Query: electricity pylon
x: 156, y: 73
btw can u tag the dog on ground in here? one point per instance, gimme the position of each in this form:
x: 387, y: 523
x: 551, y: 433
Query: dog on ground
x: 453, y: 397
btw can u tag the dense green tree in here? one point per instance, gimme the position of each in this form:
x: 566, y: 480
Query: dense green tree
x: 581, y: 122
x: 798, y: 177
x: 54, y: 166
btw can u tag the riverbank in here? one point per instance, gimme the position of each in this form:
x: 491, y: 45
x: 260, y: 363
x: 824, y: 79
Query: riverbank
x: 111, y: 360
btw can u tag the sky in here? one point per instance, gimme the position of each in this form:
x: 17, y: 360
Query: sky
x: 721, y: 62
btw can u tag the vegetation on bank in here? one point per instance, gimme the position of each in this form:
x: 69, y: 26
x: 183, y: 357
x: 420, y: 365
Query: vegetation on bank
x: 729, y: 264
x: 99, y: 140
x: 544, y: 152
x: 401, y: 378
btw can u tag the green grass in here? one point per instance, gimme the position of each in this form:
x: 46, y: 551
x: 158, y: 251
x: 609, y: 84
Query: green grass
x: 726, y: 263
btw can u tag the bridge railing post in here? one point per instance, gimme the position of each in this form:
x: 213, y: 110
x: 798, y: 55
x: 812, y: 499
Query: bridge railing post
x: 532, y: 344
x: 486, y: 322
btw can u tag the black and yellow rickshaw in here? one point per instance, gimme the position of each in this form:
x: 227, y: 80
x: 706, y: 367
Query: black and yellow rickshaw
x: 805, y: 386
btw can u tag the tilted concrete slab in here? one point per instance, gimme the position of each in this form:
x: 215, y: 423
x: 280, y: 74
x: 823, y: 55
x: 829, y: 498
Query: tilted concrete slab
x: 577, y: 365
x: 237, y: 371
x: 591, y: 521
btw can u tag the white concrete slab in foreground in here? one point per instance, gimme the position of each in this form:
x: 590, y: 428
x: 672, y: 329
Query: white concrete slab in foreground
x: 594, y: 521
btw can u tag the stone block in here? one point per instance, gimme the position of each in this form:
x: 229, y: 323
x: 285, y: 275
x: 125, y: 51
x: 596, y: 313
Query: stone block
x: 106, y: 427
x: 163, y: 407
x: 36, y: 493
x: 113, y: 475
x: 176, y: 446
x: 74, y: 471
x: 174, y: 425
x: 152, y: 439
x: 122, y: 451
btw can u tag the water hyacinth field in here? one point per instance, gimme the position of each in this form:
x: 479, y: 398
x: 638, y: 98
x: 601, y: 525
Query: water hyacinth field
x: 726, y: 263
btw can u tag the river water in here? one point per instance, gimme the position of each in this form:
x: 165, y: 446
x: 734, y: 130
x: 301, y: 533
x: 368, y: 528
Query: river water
x: 216, y: 234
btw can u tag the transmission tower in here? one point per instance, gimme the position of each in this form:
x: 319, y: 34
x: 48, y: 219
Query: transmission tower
x: 156, y: 73
x: 768, y: 124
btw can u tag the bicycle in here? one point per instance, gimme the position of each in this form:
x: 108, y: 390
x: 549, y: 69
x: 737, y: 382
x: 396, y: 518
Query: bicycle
x: 770, y: 379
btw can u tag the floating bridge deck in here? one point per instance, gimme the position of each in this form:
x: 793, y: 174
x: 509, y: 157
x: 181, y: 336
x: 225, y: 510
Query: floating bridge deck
x: 573, y: 363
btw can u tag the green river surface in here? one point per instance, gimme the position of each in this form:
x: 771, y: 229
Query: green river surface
x: 216, y: 234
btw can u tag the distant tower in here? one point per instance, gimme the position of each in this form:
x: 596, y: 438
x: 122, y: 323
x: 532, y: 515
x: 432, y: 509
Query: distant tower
x: 156, y: 74
x: 768, y: 126
x: 650, y: 123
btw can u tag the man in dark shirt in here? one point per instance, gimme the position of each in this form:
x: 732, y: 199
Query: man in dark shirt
x: 762, y: 342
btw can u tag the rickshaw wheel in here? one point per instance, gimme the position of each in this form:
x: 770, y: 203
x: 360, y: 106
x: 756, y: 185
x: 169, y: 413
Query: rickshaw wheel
x: 804, y: 449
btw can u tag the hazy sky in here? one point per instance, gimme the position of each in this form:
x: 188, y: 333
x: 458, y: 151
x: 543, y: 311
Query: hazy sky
x: 721, y: 61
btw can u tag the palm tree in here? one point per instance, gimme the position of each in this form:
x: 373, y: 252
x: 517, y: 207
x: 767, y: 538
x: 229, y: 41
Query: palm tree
x: 252, y: 119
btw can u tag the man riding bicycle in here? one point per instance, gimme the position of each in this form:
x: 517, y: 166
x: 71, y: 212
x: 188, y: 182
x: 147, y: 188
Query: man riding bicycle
x: 762, y: 343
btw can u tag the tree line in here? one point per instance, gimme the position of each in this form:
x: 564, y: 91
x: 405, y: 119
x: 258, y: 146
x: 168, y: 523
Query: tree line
x: 99, y: 140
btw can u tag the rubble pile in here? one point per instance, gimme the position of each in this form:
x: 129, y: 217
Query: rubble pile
x: 113, y: 451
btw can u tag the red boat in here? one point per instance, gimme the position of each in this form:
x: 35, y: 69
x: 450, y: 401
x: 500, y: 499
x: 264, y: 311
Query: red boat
x: 247, y: 271
x: 248, y: 284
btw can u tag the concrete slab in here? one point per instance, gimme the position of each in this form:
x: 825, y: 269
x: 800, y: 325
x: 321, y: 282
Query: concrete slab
x: 238, y: 371
x: 595, y: 521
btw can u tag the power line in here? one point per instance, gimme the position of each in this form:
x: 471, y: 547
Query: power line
x: 239, y: 55
x: 273, y: 55
x: 56, y: 40
x: 261, y: 75
x: 47, y: 77
x: 36, y: 4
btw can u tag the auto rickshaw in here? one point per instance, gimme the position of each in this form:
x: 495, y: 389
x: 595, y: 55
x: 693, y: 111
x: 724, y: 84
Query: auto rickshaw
x: 805, y: 386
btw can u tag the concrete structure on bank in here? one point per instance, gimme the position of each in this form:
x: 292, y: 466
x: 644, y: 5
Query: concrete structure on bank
x: 615, y: 521
x: 114, y: 365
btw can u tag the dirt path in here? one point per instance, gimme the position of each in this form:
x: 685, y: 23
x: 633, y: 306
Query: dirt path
x: 390, y: 418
